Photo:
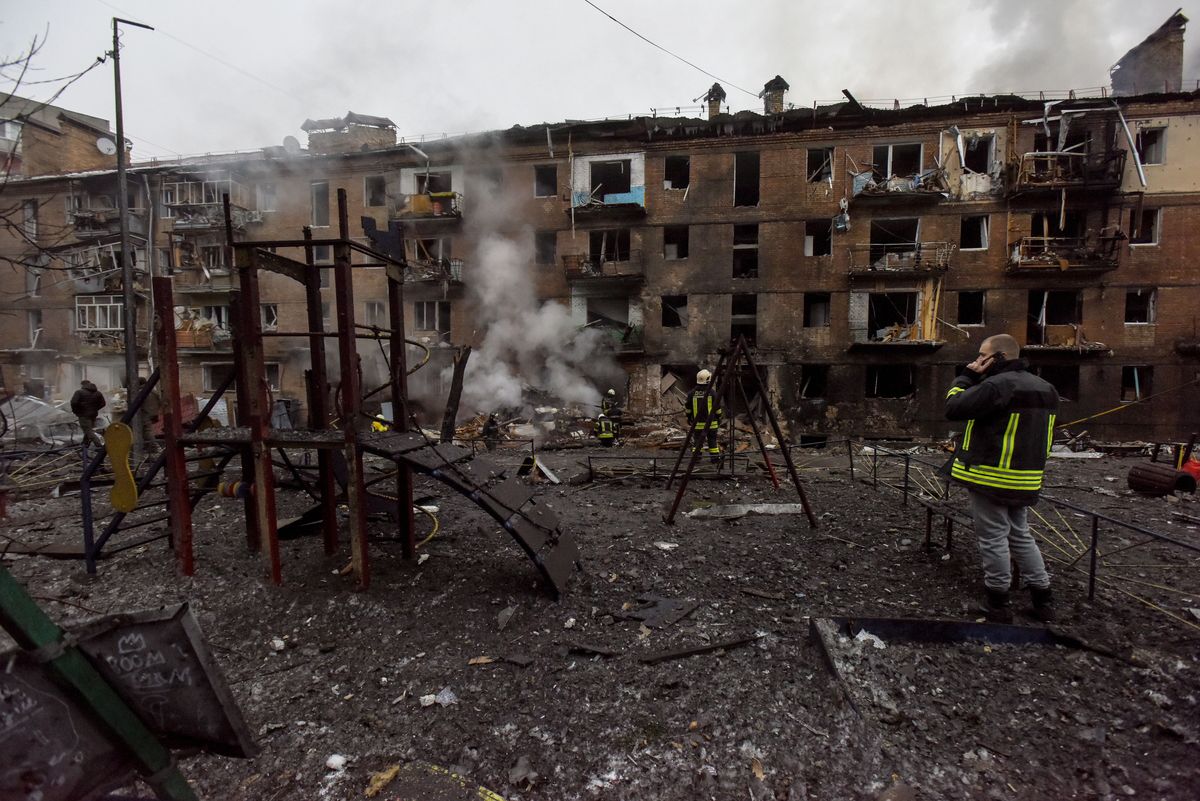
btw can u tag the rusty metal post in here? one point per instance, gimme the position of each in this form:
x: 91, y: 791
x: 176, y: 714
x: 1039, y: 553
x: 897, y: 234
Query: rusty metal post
x: 318, y: 414
x: 241, y: 390
x: 258, y: 416
x: 351, y: 397
x: 178, y: 506
x: 757, y: 436
x: 399, y: 358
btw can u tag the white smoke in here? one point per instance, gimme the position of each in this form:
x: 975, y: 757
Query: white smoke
x: 526, y: 342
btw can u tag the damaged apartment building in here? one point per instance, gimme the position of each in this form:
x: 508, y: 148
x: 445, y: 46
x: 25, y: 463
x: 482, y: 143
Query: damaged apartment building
x: 864, y: 251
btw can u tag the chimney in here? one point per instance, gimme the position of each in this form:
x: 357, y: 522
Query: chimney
x: 772, y: 95
x: 715, y: 97
x: 354, y: 132
x: 1155, y: 65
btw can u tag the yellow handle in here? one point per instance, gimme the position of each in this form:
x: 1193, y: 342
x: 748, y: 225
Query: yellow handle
x: 118, y: 441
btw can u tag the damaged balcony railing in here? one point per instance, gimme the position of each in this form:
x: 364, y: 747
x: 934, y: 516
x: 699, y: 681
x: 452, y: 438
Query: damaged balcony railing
x: 436, y: 270
x: 1063, y: 169
x: 103, y: 220
x: 197, y: 205
x: 427, y: 205
x: 1065, y: 253
x: 900, y: 257
x: 622, y: 265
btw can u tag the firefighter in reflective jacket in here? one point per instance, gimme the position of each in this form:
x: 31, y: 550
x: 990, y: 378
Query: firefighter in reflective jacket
x: 604, y: 431
x: 1001, y: 460
x: 704, y: 414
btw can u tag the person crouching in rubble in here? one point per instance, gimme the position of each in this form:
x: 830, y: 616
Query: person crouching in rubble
x: 704, y: 413
x: 604, y: 430
x: 1001, y: 460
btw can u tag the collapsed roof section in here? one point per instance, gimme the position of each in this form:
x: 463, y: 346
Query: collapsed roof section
x: 1155, y: 64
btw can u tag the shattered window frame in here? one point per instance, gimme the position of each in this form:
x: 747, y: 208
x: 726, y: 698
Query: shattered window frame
x: 814, y: 302
x: 1063, y: 377
x: 600, y: 240
x: 436, y: 312
x: 545, y: 247
x: 678, y: 236
x: 374, y: 191
x: 674, y: 307
x: 820, y: 237
x: 35, y: 320
x: 1151, y: 144
x: 1141, y: 302
x: 269, y: 315
x: 975, y: 144
x: 745, y: 262
x: 888, y: 167
x: 266, y: 196
x: 622, y: 169
x: 814, y: 374
x: 979, y: 319
x: 671, y: 167
x: 545, y: 177
x: 750, y: 161
x: 743, y: 322
x: 823, y: 172
x: 318, y: 190
x: 273, y: 372
x: 1137, y: 382
x: 878, y: 373
x: 1147, y: 232
x: 212, y: 374
x: 982, y: 223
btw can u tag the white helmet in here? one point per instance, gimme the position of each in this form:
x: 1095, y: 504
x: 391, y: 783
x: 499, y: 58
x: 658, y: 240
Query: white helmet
x: 611, y: 392
x: 703, y: 377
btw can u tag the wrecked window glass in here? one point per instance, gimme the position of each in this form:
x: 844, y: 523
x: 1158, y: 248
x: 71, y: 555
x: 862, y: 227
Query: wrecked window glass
x: 820, y: 164
x: 545, y: 180
x: 745, y: 179
x: 676, y: 172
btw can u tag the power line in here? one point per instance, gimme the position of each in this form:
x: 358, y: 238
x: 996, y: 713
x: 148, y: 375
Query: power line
x: 665, y: 50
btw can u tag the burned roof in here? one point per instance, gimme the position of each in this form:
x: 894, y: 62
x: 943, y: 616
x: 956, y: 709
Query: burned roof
x: 775, y: 84
x: 342, y: 123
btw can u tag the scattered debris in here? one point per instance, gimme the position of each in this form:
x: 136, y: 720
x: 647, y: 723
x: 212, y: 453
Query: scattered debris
x: 736, y: 510
x: 505, y: 616
x: 865, y: 636
x: 657, y: 613
x: 683, y: 653
x: 336, y: 762
x: 381, y: 780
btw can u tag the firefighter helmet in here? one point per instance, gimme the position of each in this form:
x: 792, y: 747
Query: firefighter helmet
x: 703, y: 377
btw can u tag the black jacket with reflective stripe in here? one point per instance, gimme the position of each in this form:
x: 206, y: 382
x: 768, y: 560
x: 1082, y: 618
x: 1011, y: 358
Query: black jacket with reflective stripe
x: 701, y: 414
x: 1010, y: 426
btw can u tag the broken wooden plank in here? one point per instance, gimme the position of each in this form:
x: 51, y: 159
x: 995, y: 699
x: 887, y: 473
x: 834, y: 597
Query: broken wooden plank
x: 683, y: 653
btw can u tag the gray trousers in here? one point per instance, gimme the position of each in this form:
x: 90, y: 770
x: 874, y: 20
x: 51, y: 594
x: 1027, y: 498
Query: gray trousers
x: 87, y: 425
x: 1004, y: 531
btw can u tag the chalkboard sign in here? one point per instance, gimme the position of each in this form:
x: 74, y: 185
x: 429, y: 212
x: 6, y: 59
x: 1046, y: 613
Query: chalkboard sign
x: 50, y: 748
x: 158, y: 662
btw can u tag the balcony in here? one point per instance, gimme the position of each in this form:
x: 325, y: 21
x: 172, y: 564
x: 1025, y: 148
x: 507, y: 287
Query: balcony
x: 200, y: 205
x: 1037, y: 255
x: 109, y: 341
x: 616, y: 206
x: 626, y: 341
x: 1054, y: 170
x: 627, y: 268
x: 435, y: 271
x: 903, y: 259
x: 208, y: 280
x: 204, y: 338
x: 446, y: 206
x: 103, y: 221
x: 929, y: 186
x: 901, y: 336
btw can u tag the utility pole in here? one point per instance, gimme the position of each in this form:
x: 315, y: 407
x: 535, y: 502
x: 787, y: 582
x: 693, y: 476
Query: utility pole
x: 130, y: 299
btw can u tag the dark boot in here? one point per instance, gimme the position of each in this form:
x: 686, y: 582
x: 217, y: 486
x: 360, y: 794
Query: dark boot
x: 998, y: 610
x: 1043, y: 604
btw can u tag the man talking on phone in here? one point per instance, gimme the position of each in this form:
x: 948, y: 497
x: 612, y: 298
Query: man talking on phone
x: 1001, y: 460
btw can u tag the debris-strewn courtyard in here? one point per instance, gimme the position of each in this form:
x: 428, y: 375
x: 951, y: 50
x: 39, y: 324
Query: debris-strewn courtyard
x: 589, y: 698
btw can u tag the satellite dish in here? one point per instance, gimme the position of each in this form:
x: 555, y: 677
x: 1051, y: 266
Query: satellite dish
x: 106, y: 146
x: 291, y: 145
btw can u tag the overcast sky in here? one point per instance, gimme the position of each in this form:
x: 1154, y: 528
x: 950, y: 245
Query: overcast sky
x: 218, y: 76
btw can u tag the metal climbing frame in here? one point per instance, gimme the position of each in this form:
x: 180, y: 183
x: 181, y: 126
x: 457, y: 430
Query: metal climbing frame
x: 253, y: 438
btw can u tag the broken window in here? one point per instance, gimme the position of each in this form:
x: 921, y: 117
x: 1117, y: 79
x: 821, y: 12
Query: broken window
x: 374, y: 190
x: 676, y: 172
x: 273, y: 374
x: 431, y: 251
x: 977, y: 155
x: 434, y: 316
x: 973, y: 233
x: 1150, y: 145
x: 34, y: 317
x: 545, y: 247
x: 213, y: 375
x: 323, y: 254
x: 266, y: 197
x: 1136, y: 383
x: 745, y: 179
x: 319, y: 191
x: 893, y: 237
x: 33, y: 281
x: 430, y: 183
x: 30, y: 226
x: 1052, y: 308
x: 890, y: 314
x: 903, y: 160
x: 611, y: 177
x: 820, y: 164
x: 1064, y: 378
x: 745, y: 251
x: 814, y: 380
x: 375, y: 313
x: 674, y: 311
x: 971, y: 307
x: 213, y: 256
x: 891, y: 380
x: 545, y: 180
x: 675, y: 242
x: 1143, y: 230
x: 743, y: 319
x: 610, y: 245
x: 816, y: 309
x: 98, y: 312
x: 269, y: 316
x: 217, y: 315
x: 1140, y: 306
x: 818, y: 237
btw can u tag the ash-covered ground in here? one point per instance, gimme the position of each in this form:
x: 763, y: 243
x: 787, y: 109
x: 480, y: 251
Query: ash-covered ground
x: 567, y: 706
